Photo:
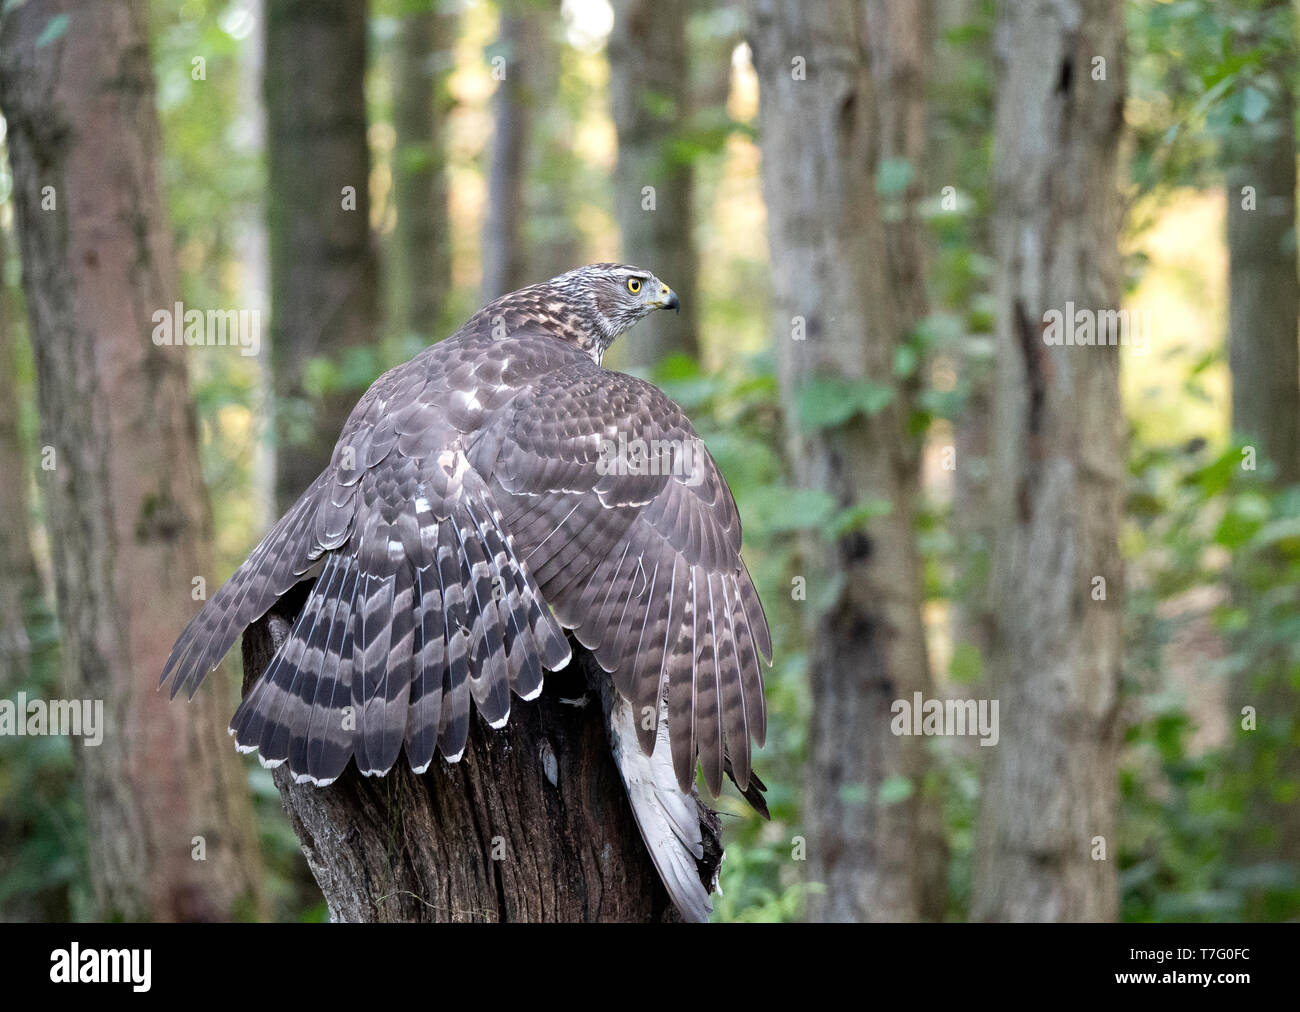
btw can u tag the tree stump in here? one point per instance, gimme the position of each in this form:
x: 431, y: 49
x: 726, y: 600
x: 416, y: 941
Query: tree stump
x: 531, y: 825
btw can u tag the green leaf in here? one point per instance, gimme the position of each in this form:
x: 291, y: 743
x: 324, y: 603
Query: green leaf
x: 825, y: 402
x: 938, y: 329
x: 892, y: 176
x: 1254, y: 105
x: 853, y: 795
x: 824, y: 593
x: 779, y: 509
x: 905, y: 361
x: 967, y: 665
x: 895, y: 789
x: 874, y: 397
x: 320, y: 376
x: 1285, y: 529
x: 52, y: 31
x: 857, y: 516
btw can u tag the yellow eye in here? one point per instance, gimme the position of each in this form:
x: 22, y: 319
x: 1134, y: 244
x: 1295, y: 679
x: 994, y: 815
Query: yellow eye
x: 633, y: 285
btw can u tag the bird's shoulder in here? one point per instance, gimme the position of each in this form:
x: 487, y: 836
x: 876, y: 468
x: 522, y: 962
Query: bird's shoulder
x: 461, y: 381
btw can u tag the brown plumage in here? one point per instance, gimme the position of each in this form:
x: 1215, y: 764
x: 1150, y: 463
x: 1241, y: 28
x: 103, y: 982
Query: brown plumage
x: 477, y: 505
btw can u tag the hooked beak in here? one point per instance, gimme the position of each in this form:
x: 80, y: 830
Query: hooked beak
x: 668, y: 299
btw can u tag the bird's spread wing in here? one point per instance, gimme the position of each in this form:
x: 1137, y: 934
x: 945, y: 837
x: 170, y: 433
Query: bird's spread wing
x: 471, y: 489
x: 421, y: 603
x: 622, y: 518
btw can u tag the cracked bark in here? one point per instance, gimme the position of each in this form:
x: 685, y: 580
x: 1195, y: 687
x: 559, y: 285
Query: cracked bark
x: 422, y: 57
x: 127, y: 511
x: 323, y: 270
x: 490, y: 838
x: 1264, y: 360
x: 823, y: 139
x: 1049, y: 795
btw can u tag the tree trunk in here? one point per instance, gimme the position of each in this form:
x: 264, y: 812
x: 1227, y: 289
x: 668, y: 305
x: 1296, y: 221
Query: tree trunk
x: 1264, y: 360
x: 899, y: 40
x: 871, y: 840
x: 422, y: 237
x: 522, y: 41
x: 554, y: 172
x: 323, y: 277
x: 125, y: 504
x: 1263, y: 285
x: 650, y: 98
x: 19, y: 591
x: 531, y: 825
x: 1046, y: 846
x: 18, y: 576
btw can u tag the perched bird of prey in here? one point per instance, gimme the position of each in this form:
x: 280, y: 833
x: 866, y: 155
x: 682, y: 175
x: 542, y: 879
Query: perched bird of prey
x: 495, y: 491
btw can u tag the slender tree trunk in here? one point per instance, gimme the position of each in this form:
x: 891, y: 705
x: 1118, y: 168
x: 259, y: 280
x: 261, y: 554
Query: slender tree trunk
x: 899, y: 40
x: 837, y: 321
x: 1264, y: 359
x: 422, y: 238
x: 901, y: 49
x: 522, y: 39
x: 650, y: 95
x: 323, y: 277
x: 125, y: 504
x: 253, y: 243
x: 710, y: 56
x: 19, y: 586
x: 553, y: 243
x: 1263, y: 290
x: 1046, y: 847
x: 18, y: 575
x: 531, y: 825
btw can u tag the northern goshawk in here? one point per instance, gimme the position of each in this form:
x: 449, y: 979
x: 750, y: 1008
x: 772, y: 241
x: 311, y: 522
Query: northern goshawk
x: 496, y: 490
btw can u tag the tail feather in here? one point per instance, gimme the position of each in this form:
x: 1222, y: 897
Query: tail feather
x: 665, y: 814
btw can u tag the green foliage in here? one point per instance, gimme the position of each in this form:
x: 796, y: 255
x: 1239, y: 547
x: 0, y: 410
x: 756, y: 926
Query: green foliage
x: 738, y: 416
x: 53, y: 31
x: 893, y: 175
x: 825, y: 402
x: 1200, y: 816
x: 1194, y: 79
x: 44, y: 872
x: 1213, y: 550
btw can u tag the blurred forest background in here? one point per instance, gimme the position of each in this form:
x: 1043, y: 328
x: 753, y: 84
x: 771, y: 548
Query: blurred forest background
x: 867, y: 209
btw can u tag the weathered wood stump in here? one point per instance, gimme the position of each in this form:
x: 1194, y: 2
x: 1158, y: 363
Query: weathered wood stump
x: 531, y: 825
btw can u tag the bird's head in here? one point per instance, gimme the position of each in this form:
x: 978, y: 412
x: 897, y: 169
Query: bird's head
x: 615, y: 296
